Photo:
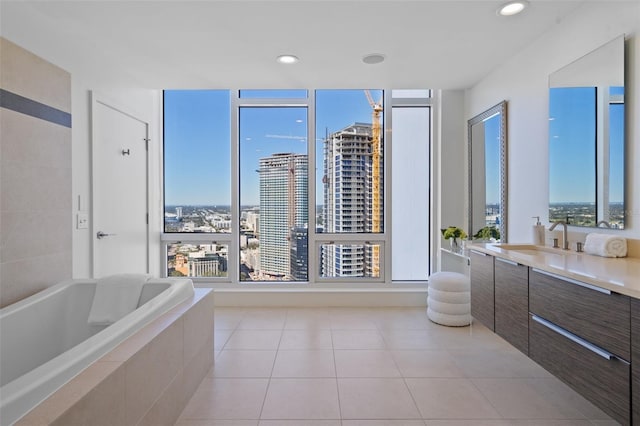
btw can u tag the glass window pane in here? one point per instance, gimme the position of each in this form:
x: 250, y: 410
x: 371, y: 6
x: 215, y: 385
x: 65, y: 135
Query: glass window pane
x: 572, y: 155
x: 273, y: 94
x: 411, y: 93
x: 197, y: 159
x: 349, y: 260
x: 273, y: 194
x: 410, y: 187
x: 350, y: 161
x: 616, y: 157
x: 492, y: 183
x: 197, y: 260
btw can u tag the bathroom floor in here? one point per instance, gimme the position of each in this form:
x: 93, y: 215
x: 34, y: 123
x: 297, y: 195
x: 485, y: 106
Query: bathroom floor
x: 373, y: 367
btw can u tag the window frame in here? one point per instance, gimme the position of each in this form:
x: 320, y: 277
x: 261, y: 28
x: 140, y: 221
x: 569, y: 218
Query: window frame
x: 315, y: 239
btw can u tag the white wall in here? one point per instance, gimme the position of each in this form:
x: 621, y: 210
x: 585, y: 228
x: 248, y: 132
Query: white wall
x: 523, y: 82
x: 451, y: 203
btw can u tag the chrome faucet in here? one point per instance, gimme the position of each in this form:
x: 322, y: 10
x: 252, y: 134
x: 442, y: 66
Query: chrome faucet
x: 565, y: 242
x: 603, y: 222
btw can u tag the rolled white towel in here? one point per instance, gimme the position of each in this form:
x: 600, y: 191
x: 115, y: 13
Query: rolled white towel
x: 605, y: 245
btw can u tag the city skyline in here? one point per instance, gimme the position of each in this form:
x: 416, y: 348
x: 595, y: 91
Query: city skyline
x: 197, y: 140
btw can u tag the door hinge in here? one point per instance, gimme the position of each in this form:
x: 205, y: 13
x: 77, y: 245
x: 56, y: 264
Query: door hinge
x: 146, y: 143
x: 147, y: 218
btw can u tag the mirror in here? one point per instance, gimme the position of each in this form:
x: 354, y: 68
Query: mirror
x: 586, y: 139
x: 487, y: 139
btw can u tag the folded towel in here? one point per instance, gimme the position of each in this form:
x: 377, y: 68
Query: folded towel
x: 605, y: 245
x: 115, y: 297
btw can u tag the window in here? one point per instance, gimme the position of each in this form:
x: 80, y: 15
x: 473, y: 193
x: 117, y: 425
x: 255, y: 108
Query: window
x: 614, y: 212
x: 252, y: 197
x: 410, y: 173
x: 274, y: 196
x: 197, y: 173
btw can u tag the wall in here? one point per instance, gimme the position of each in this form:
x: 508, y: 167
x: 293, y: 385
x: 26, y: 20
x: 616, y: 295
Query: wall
x: 35, y: 152
x: 451, y: 180
x: 523, y: 82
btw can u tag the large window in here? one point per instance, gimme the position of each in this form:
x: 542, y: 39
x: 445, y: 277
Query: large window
x: 274, y: 196
x: 252, y: 197
x: 197, y: 161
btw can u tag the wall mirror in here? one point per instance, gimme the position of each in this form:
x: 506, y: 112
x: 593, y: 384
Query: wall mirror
x: 487, y: 139
x: 586, y: 139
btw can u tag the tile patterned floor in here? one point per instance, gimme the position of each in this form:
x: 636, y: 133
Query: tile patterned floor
x: 373, y: 367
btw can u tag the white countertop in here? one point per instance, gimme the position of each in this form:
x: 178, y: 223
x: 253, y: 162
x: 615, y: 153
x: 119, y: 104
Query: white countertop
x: 621, y: 275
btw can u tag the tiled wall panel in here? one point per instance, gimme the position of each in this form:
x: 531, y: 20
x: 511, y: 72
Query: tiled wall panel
x: 35, y: 174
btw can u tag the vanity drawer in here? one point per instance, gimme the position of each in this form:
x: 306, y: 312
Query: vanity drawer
x: 512, y: 303
x: 603, y: 381
x: 600, y: 318
x: 482, y: 289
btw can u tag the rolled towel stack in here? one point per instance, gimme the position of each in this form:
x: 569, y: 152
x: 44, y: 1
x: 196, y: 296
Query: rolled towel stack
x: 605, y: 245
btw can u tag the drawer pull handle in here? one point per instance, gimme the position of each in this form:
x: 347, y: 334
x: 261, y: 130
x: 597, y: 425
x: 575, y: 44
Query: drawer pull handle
x: 479, y: 253
x: 510, y: 262
x: 569, y: 280
x: 590, y: 346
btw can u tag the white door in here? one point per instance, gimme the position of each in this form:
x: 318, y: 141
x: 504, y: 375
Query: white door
x: 120, y: 199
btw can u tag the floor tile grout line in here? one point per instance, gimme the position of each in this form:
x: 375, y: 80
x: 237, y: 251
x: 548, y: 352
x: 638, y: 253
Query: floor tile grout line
x: 275, y: 358
x: 335, y: 369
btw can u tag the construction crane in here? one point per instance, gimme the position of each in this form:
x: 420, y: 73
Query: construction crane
x: 376, y: 108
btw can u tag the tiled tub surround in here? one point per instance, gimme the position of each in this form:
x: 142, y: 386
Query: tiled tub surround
x: 35, y: 169
x: 146, y: 380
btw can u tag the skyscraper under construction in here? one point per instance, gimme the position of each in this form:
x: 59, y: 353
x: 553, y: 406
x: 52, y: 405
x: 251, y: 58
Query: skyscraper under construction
x: 348, y: 200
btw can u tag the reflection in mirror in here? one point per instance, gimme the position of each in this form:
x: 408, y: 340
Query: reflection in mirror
x: 586, y: 139
x: 487, y: 172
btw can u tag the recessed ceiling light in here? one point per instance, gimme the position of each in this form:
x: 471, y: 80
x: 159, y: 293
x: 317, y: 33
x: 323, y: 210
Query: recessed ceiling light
x: 373, y: 58
x: 512, y: 8
x: 287, y: 59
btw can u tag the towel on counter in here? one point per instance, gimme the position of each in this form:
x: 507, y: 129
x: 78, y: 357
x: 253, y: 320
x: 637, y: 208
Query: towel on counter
x: 605, y: 245
x: 115, y: 297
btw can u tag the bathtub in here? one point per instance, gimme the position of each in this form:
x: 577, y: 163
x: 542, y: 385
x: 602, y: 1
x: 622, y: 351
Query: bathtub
x: 45, y: 339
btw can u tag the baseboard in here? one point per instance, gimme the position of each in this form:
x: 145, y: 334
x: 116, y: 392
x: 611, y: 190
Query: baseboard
x: 322, y: 297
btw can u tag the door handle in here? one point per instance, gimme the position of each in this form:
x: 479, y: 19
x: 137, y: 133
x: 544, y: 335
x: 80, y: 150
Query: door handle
x: 101, y: 234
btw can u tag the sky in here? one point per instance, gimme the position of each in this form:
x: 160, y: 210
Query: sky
x: 572, y: 146
x: 198, y: 148
x: 492, y: 159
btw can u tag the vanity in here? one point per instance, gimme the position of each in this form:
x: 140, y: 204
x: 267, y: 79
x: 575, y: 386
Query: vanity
x: 576, y: 315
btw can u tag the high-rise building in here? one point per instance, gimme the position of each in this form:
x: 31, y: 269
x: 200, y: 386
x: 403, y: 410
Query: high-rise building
x: 348, y: 195
x: 299, y: 254
x: 283, y: 207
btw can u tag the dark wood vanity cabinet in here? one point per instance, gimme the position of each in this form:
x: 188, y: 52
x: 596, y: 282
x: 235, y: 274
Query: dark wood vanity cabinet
x: 582, y: 335
x: 597, y: 315
x: 635, y: 358
x: 601, y: 379
x: 482, y: 289
x: 512, y: 303
x: 585, y: 335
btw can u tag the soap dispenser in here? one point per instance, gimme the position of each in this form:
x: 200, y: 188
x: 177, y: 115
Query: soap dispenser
x: 538, y: 232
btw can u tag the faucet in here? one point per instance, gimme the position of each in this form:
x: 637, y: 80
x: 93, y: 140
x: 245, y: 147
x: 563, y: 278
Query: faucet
x: 565, y: 242
x: 603, y: 222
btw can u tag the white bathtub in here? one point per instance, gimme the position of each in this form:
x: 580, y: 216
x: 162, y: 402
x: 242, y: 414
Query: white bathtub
x: 45, y: 339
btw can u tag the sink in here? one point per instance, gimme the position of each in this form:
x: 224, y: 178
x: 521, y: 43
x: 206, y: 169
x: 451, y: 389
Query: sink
x: 531, y: 249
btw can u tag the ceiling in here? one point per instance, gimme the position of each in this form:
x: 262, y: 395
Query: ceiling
x: 220, y: 44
